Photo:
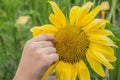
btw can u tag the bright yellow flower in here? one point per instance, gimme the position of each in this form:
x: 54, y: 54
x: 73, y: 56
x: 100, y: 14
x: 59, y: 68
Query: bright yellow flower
x: 83, y: 39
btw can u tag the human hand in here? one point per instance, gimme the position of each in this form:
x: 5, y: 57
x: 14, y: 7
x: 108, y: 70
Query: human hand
x: 38, y: 54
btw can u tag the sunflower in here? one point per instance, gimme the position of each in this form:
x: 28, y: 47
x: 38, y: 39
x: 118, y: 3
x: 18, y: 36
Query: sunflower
x: 83, y: 39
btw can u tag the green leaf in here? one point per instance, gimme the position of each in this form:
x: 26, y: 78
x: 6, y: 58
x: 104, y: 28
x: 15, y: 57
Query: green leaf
x: 114, y: 74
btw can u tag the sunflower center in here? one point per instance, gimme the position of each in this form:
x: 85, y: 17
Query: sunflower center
x: 71, y: 44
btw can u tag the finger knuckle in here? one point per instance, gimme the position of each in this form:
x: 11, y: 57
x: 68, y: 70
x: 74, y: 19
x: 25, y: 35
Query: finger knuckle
x: 50, y: 43
x: 47, y: 36
x: 53, y: 48
x: 46, y: 60
x: 44, y: 35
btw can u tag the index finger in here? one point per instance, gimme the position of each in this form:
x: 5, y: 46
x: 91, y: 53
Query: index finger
x: 44, y: 37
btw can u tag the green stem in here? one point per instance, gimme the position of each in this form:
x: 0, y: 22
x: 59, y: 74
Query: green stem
x: 99, y: 1
x: 114, y: 14
x: 112, y: 11
x: 3, y: 44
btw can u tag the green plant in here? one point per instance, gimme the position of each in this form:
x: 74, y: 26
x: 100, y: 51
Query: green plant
x: 13, y: 37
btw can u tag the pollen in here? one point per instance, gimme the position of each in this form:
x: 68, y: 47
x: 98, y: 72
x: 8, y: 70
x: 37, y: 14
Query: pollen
x: 71, y: 44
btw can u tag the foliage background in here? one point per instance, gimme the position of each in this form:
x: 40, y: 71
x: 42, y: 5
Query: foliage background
x: 13, y: 37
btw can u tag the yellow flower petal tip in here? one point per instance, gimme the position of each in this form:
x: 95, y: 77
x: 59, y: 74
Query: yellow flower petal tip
x: 34, y: 28
x: 52, y: 2
x: 89, y: 3
x: 85, y: 37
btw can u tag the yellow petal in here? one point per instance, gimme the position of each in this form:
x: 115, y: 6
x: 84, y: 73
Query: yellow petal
x: 45, y: 29
x: 74, y: 72
x: 100, y: 58
x: 106, y: 21
x: 94, y: 25
x: 91, y: 16
x: 73, y: 14
x: 56, y: 21
x: 63, y: 71
x: 102, y: 32
x: 58, y: 13
x: 83, y: 12
x: 50, y: 69
x: 58, y: 70
x: 35, y: 31
x: 95, y: 65
x: 83, y: 72
x: 102, y: 40
x: 107, y: 51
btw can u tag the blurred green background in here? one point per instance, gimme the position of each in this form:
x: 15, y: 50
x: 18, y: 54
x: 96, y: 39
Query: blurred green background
x: 14, y: 33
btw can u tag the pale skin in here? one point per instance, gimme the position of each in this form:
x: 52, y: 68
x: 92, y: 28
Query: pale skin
x: 38, y: 54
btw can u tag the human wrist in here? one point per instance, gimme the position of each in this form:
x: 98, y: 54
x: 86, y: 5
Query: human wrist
x: 19, y: 77
x: 22, y: 75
